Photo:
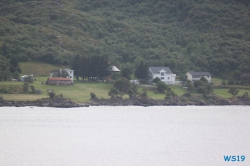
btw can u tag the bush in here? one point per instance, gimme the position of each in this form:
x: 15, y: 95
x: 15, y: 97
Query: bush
x: 114, y: 92
x: 187, y: 94
x: 33, y: 89
x: 93, y: 96
x: 245, y: 95
x: 223, y: 82
x: 201, y: 89
x: 197, y: 83
x: 26, y: 87
x: 168, y: 96
x: 144, y: 93
x: 230, y: 82
x: 28, y: 79
x: 191, y: 87
x: 204, y: 80
x: 156, y: 80
x: 161, y: 87
x: 51, y: 94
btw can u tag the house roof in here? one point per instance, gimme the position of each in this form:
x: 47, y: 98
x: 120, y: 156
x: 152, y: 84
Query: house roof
x: 113, y: 68
x: 156, y: 70
x: 199, y: 73
x: 59, y: 79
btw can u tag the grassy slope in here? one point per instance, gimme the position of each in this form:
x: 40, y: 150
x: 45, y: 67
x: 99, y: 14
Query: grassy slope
x: 38, y: 68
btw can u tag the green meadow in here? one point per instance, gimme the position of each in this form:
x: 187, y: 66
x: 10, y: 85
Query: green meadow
x: 79, y: 92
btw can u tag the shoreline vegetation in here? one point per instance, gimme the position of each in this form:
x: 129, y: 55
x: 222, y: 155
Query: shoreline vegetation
x: 98, y: 93
x: 60, y: 102
x: 94, y: 93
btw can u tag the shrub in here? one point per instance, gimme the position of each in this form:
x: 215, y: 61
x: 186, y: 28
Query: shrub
x: 161, y: 87
x: 201, y: 89
x: 28, y: 79
x: 25, y: 87
x: 197, y: 83
x: 144, y: 93
x: 51, y: 94
x: 191, y: 87
x: 33, y: 89
x: 245, y: 95
x: 223, y: 82
x: 230, y: 82
x: 93, y: 96
x: 114, y: 92
x: 156, y: 80
x: 122, y: 84
x: 204, y: 80
x: 187, y: 94
x: 168, y: 96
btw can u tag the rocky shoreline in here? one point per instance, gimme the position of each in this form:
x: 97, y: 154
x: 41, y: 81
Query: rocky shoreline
x: 175, y: 102
x: 67, y: 103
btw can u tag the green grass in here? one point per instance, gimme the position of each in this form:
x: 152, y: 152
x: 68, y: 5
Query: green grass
x: 224, y: 92
x: 151, y: 91
x: 79, y: 92
x: 38, y: 68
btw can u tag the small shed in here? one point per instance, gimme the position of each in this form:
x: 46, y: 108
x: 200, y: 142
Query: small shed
x: 113, y: 69
x: 59, y: 81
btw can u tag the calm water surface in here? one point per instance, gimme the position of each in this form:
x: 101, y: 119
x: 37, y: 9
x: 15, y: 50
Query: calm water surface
x: 124, y: 136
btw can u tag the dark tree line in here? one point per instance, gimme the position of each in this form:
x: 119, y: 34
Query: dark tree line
x: 142, y: 71
x: 90, y: 66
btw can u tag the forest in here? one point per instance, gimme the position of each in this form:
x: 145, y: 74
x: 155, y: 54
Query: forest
x: 185, y: 35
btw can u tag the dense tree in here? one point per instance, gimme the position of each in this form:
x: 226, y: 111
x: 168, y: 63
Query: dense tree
x: 142, y: 71
x: 126, y: 72
x: 86, y: 66
x: 59, y: 73
x: 122, y: 84
x: 188, y: 35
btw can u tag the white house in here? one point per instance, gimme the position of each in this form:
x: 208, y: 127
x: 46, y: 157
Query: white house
x: 25, y: 76
x: 69, y: 71
x: 192, y: 76
x: 71, y: 74
x: 164, y: 73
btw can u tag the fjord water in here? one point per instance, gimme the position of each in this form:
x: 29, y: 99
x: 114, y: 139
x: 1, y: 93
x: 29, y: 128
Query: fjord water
x: 124, y: 136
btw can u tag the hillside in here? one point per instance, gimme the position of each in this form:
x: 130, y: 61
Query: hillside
x: 201, y: 35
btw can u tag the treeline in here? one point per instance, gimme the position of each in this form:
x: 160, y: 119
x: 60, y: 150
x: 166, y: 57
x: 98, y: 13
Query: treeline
x: 185, y: 35
x: 90, y: 67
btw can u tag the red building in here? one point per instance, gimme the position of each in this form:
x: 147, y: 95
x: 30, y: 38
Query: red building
x: 59, y: 81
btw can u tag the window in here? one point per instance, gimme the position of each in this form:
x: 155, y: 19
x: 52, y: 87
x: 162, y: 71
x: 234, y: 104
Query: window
x: 168, y: 78
x: 207, y: 76
x: 162, y: 73
x: 162, y: 78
